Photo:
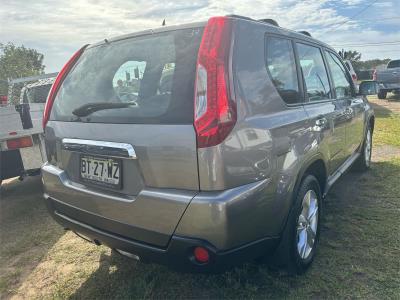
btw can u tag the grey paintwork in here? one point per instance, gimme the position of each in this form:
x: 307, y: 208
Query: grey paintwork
x: 230, y: 194
x: 153, y: 213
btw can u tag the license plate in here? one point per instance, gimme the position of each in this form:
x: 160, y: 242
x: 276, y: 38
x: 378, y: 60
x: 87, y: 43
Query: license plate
x: 101, y: 171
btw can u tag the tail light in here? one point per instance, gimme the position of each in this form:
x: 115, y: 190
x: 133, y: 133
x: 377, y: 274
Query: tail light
x: 215, y: 110
x: 374, y: 75
x: 3, y: 99
x: 354, y: 76
x: 57, y: 84
x: 18, y: 143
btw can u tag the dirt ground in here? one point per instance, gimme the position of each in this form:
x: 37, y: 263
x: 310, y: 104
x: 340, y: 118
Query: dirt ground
x: 358, y: 256
x: 391, y: 103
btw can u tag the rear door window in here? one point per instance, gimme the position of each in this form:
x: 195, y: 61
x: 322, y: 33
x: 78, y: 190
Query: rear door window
x: 340, y: 78
x: 146, y: 79
x: 37, y: 94
x: 393, y: 64
x: 314, y: 72
x: 281, y: 65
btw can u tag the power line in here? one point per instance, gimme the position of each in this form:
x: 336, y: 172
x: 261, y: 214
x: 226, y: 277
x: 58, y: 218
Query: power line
x: 356, y: 14
x: 367, y: 21
x: 369, y: 44
x: 378, y: 19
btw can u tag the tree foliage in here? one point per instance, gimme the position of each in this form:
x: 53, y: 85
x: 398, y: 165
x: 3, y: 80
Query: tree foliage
x: 18, y: 61
x: 350, y: 55
x: 370, y: 64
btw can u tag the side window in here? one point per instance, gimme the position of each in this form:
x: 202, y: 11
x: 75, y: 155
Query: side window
x: 282, y: 67
x: 314, y: 72
x: 340, y: 79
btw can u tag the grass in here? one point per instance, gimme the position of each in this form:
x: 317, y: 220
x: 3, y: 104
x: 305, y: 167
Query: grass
x: 387, y: 125
x: 358, y: 256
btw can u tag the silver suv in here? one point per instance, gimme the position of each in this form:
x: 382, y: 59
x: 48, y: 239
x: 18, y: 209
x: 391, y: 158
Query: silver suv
x: 203, y: 145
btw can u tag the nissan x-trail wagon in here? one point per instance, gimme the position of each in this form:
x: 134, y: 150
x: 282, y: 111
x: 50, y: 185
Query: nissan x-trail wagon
x: 203, y: 145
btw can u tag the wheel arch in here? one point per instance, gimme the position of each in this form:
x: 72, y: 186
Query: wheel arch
x: 315, y: 166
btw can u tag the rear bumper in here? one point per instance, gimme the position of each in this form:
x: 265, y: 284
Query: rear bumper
x: 164, y: 225
x: 178, y: 254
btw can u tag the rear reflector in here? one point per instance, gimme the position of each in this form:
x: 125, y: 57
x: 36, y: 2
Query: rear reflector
x: 201, y: 255
x: 18, y: 143
x: 215, y: 110
x: 57, y: 84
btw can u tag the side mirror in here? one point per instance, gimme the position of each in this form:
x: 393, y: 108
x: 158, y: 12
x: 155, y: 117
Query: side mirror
x: 369, y: 87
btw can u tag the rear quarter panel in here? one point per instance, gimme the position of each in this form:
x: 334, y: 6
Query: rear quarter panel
x: 269, y: 141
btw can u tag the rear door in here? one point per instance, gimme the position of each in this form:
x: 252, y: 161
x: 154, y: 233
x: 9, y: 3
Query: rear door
x: 121, y: 127
x: 354, y: 106
x: 326, y: 114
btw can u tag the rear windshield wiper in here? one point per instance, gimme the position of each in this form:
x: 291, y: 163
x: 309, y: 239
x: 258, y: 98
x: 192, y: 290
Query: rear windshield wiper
x: 89, y: 108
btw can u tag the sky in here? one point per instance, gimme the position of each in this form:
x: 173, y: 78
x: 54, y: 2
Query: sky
x: 58, y: 28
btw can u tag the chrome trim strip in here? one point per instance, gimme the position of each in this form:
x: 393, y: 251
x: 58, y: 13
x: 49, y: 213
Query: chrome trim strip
x: 110, y: 149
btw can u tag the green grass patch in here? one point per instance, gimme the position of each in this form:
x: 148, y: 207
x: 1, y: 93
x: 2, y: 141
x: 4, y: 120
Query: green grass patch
x: 387, y: 130
x: 387, y: 123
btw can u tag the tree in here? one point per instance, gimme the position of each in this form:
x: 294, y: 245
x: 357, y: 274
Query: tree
x: 18, y: 61
x: 350, y: 55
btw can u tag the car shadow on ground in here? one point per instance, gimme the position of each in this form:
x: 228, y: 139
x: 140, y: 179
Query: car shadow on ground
x: 359, y: 214
x: 393, y: 97
x: 26, y: 231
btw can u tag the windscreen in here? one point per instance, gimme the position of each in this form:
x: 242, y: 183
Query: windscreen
x: 146, y: 79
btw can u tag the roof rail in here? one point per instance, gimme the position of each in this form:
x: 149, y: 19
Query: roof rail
x: 240, y: 17
x: 269, y: 21
x: 305, y: 33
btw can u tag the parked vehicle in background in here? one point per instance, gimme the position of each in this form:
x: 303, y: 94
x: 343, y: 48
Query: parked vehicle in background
x: 22, y: 149
x: 353, y: 73
x: 389, y: 79
x: 225, y: 152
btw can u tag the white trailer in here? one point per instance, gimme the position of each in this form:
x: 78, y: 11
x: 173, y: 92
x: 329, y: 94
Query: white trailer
x: 22, y: 150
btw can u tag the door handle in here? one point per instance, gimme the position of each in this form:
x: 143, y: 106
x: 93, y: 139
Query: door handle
x: 348, y: 112
x: 320, y: 124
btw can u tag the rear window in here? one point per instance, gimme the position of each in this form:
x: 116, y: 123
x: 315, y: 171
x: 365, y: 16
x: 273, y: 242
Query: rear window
x: 147, y: 79
x: 393, y: 64
x: 37, y: 94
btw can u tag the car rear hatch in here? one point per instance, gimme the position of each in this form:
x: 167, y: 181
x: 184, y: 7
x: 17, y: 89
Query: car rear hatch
x: 120, y: 138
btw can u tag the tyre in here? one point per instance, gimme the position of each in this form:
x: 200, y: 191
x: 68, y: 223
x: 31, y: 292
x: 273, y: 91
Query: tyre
x: 363, y: 162
x: 300, y: 238
x: 382, y: 94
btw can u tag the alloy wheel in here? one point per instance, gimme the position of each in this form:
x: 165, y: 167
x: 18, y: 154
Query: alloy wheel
x: 367, y: 148
x: 307, y: 224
